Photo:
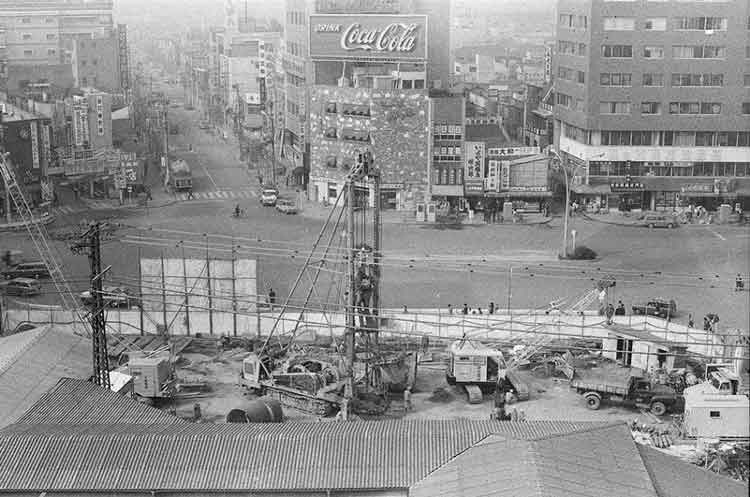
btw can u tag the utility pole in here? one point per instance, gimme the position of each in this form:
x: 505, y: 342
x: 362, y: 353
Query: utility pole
x: 351, y: 297
x: 8, y: 217
x: 91, y: 242
x: 375, y: 176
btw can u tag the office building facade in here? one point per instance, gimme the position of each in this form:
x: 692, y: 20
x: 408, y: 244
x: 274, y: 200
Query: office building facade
x: 652, y: 101
x: 41, y: 32
x: 322, y: 65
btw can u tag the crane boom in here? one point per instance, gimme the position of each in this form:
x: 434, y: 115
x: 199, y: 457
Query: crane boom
x: 578, y: 306
x: 39, y: 237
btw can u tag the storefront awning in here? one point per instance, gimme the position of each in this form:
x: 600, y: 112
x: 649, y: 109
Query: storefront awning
x: 591, y: 189
x: 519, y: 194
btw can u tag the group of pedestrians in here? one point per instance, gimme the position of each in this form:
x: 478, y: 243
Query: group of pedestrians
x: 491, y: 309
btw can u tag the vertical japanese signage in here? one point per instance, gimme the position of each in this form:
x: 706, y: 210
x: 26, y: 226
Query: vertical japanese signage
x: 34, y: 130
x: 122, y: 39
x: 505, y: 175
x: 474, y: 167
x: 46, y: 146
x: 492, y: 183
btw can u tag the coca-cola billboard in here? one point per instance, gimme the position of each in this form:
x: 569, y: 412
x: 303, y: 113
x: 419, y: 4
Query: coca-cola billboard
x: 363, y: 36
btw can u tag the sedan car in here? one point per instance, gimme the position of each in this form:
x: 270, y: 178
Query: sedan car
x: 113, y: 296
x: 24, y: 287
x: 657, y: 307
x: 659, y: 221
x: 286, y: 206
x: 269, y: 196
x: 27, y: 270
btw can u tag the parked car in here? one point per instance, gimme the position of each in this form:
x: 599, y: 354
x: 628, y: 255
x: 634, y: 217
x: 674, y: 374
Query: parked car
x: 659, y: 221
x: 27, y: 270
x: 286, y: 206
x: 113, y: 296
x: 269, y: 196
x: 657, y: 307
x: 24, y: 287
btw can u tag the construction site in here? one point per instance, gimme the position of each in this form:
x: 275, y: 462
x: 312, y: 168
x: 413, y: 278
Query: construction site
x: 200, y: 343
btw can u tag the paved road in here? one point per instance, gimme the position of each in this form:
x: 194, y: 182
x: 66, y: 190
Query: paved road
x: 694, y: 265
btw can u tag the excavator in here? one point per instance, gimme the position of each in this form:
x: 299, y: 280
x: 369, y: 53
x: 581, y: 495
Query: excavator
x: 477, y: 367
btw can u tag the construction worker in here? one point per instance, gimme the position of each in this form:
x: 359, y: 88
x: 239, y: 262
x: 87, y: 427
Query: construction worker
x: 739, y: 285
x: 500, y: 391
x: 271, y: 297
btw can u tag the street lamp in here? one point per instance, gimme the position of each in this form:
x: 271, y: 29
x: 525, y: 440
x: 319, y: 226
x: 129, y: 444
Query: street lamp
x: 564, y: 166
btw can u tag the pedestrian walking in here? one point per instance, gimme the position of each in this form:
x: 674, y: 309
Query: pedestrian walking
x: 492, y: 308
x: 465, y: 309
x: 190, y: 194
x: 271, y: 297
x: 739, y: 285
x: 691, y: 323
x: 450, y: 309
x: 407, y: 399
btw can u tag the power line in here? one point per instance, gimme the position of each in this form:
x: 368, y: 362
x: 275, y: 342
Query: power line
x: 162, y: 243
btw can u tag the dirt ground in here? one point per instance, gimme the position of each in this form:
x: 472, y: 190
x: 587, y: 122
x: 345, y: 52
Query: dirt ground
x: 551, y: 397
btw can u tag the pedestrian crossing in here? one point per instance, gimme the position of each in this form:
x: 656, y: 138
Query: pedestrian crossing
x: 219, y: 195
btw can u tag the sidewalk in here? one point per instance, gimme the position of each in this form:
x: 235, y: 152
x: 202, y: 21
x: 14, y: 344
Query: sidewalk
x: 315, y: 210
x: 632, y: 219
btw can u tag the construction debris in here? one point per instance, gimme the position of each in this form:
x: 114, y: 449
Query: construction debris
x: 441, y: 394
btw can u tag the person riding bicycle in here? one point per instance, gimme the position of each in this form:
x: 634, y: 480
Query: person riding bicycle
x: 237, y: 210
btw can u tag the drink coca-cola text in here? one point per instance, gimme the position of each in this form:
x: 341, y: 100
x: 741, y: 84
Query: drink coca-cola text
x: 395, y: 37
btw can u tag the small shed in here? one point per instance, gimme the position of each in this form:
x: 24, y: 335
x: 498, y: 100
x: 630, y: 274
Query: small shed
x: 715, y: 415
x: 641, y: 349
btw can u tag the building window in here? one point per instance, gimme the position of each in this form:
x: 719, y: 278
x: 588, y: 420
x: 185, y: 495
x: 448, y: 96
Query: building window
x: 573, y: 21
x: 28, y: 53
x: 51, y: 51
x: 26, y: 36
x: 700, y: 23
x: 571, y: 48
x: 650, y: 108
x: 698, y: 52
x: 614, y: 107
x: 655, y: 24
x: 653, y: 52
x: 619, y: 24
x: 564, y: 100
x: 710, y: 108
x: 331, y: 161
x: 683, y: 79
x: 746, y: 108
x: 581, y: 77
x: 26, y: 20
x: 615, y: 79
x: 418, y: 84
x: 653, y: 79
x: 617, y: 51
x: 51, y: 36
x: 714, y: 414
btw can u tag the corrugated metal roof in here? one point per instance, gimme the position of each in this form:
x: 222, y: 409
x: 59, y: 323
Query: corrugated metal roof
x: 673, y: 477
x: 51, y: 354
x: 75, y: 402
x: 590, y: 463
x: 302, y: 456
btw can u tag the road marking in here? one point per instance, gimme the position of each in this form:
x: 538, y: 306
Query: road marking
x: 718, y: 235
x: 209, y: 176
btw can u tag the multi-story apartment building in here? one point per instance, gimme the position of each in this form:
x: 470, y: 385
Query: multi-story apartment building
x: 102, y: 61
x: 653, y: 101
x: 41, y: 32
